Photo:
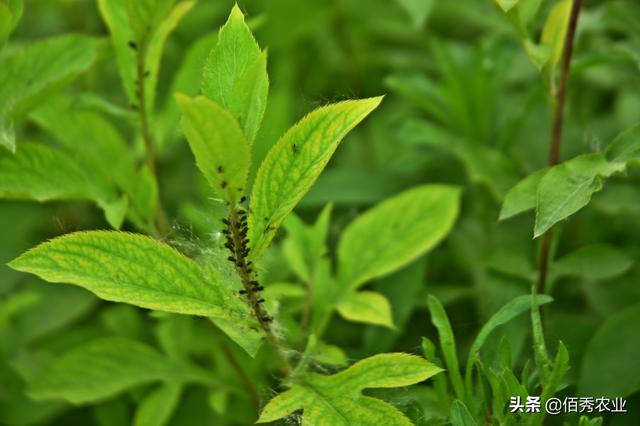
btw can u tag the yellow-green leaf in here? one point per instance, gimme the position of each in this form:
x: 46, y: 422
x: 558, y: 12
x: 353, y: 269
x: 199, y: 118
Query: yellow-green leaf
x: 366, y: 306
x: 396, y: 231
x: 555, y: 30
x: 337, y: 400
x: 294, y: 164
x: 506, y: 5
x: 138, y: 270
x: 221, y: 150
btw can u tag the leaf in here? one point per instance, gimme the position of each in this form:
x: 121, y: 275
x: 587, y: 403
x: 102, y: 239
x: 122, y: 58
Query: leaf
x: 222, y: 152
x: 337, y: 400
x: 330, y: 355
x: 484, y: 165
x: 350, y: 186
x: 593, y: 262
x: 27, y: 75
x: 538, y: 54
x: 138, y: 270
x: 146, y: 15
x: 460, y: 415
x: 249, y: 100
x: 506, y: 5
x: 306, y: 244
x: 174, y: 334
x: 144, y: 200
x: 396, y: 231
x: 158, y: 405
x: 403, y: 289
x: 568, y: 187
x: 156, y: 46
x: 555, y: 30
x: 505, y: 314
x: 235, y: 74
x: 294, y: 164
x: 148, y: 23
x: 100, y: 369
x: 528, y: 9
x: 40, y: 173
x: 56, y: 308
x: 107, y: 158
x: 601, y: 363
x: 522, y: 196
x: 185, y: 81
x: 15, y: 8
x: 114, y: 14
x: 625, y: 146
x: 440, y: 320
x: 418, y: 10
x: 559, y: 370
x: 16, y: 303
x: 16, y: 407
x: 368, y: 307
x: 6, y: 18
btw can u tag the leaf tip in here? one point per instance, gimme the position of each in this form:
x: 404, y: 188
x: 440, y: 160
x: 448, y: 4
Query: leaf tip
x: 376, y: 100
x: 504, y: 214
x: 236, y: 13
x: 539, y: 230
x: 182, y: 99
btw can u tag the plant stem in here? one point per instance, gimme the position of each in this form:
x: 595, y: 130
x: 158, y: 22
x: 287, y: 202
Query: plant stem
x: 233, y: 361
x: 237, y: 243
x: 556, y: 133
x: 308, y: 305
x: 161, y: 222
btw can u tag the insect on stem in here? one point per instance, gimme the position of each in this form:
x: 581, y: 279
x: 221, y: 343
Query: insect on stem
x: 237, y: 242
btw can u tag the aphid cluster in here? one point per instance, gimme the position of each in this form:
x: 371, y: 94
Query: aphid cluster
x: 235, y: 232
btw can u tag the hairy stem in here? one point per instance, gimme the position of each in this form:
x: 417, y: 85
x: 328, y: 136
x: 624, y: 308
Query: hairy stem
x: 556, y: 133
x: 161, y: 222
x: 236, y: 234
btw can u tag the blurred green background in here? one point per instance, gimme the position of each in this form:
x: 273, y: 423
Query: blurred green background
x: 464, y: 105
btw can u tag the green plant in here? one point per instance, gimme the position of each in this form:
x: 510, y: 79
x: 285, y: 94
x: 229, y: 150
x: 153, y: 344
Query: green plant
x: 220, y: 127
x: 283, y: 280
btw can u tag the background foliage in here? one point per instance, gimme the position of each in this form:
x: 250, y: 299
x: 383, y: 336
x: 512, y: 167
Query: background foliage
x: 467, y: 104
